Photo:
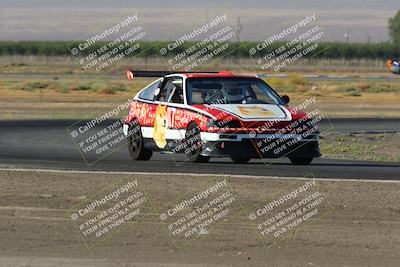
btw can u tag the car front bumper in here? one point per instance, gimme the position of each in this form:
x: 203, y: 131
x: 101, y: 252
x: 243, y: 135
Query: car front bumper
x: 267, y: 147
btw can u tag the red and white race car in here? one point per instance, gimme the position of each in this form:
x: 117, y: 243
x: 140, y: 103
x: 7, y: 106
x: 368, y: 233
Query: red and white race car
x: 217, y: 115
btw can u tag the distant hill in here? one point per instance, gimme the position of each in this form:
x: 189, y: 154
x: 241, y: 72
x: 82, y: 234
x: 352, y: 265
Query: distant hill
x: 363, y: 20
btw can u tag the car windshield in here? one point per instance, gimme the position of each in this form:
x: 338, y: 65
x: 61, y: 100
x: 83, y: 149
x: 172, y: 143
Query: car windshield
x: 230, y: 91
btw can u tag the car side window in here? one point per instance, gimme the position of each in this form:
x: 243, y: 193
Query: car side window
x: 172, y: 91
x: 149, y: 92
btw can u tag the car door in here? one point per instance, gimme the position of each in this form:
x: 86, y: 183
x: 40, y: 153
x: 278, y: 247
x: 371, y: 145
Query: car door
x: 170, y: 99
x: 146, y: 104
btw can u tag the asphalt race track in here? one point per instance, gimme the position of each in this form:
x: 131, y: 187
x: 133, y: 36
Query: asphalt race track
x: 46, y: 145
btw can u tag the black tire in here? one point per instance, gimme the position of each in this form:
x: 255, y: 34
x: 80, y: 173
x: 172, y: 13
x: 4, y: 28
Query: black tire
x: 241, y: 160
x: 193, y: 144
x: 136, y: 149
x: 300, y: 161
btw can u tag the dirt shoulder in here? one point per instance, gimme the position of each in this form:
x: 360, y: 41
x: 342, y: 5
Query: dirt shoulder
x: 358, y: 224
x: 375, y: 147
x: 68, y: 96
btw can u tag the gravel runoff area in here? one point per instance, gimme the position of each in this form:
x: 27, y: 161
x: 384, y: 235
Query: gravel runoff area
x: 355, y: 224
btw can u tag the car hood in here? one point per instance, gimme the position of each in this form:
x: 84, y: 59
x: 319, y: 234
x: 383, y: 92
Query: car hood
x: 252, y: 112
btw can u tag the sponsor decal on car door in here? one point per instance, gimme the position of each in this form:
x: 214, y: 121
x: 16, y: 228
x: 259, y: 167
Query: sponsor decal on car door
x: 160, y: 126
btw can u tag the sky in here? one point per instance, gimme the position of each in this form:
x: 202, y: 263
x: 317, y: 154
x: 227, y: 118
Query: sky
x: 359, y: 20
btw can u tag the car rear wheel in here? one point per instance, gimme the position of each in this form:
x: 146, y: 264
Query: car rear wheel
x: 137, y: 151
x: 194, y: 145
x: 240, y: 160
x: 300, y: 161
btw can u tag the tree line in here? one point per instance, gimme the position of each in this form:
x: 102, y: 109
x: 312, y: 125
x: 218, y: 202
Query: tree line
x: 238, y: 49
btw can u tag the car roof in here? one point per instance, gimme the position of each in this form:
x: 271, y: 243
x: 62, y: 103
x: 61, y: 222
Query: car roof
x: 221, y: 74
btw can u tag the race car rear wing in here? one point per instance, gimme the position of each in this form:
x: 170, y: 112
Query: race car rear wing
x: 131, y: 74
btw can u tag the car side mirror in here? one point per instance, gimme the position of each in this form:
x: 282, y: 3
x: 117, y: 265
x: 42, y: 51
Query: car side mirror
x: 286, y: 99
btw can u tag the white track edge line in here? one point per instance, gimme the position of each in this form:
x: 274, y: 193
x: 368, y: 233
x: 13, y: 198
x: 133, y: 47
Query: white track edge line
x: 203, y: 175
